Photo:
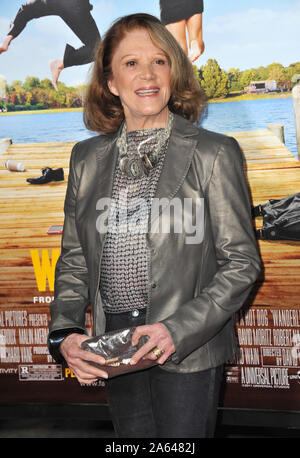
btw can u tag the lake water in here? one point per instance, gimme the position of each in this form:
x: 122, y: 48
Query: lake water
x: 253, y: 114
x: 219, y: 117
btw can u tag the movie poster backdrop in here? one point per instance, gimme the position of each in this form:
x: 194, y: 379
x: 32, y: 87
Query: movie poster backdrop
x: 247, y: 61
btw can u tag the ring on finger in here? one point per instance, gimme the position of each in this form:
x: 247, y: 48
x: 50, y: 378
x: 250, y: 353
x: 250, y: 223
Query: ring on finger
x: 158, y: 351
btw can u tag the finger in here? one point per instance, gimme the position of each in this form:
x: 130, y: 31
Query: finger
x: 85, y: 378
x: 139, y: 332
x: 146, y: 348
x: 90, y: 356
x: 71, y: 346
x: 150, y: 355
x: 157, y: 333
x: 77, y: 352
x: 86, y: 370
x: 169, y: 350
x: 163, y: 358
x: 87, y: 382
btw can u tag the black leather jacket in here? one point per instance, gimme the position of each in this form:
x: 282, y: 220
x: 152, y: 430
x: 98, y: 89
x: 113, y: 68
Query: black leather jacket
x: 194, y: 289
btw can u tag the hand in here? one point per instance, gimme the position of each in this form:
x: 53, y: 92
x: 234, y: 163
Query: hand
x: 159, y: 337
x: 77, y: 359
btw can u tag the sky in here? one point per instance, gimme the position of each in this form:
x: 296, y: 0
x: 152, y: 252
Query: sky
x: 237, y: 33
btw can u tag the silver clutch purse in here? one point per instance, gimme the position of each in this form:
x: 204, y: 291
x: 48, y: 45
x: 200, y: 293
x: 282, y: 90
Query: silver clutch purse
x: 116, y: 347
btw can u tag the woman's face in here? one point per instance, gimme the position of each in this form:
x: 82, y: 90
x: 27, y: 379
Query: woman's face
x: 141, y: 78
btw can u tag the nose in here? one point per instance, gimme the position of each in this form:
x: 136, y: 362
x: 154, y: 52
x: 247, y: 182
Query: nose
x: 147, y: 71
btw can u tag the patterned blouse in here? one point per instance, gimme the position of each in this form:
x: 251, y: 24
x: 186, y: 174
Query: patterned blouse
x: 124, y: 266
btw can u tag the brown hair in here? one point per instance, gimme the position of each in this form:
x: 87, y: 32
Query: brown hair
x: 103, y: 111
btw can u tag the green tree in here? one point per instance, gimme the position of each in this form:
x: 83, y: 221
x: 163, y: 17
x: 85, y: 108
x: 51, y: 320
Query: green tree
x: 31, y: 82
x: 196, y: 70
x: 15, y: 84
x: 29, y: 98
x: 81, y: 91
x: 21, y: 94
x: 234, y: 75
x: 59, y: 98
x: 46, y: 84
x: 291, y: 70
x: 247, y: 76
x: 35, y: 94
x: 214, y: 80
x: 296, y: 66
x: 275, y: 72
x: 262, y: 73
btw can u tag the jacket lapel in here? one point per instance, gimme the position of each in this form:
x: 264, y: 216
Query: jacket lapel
x: 177, y: 161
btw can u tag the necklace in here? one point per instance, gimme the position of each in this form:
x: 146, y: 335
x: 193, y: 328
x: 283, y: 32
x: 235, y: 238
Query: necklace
x: 136, y: 166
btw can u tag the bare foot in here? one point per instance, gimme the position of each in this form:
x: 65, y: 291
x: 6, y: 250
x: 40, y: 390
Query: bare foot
x: 5, y: 43
x: 197, y: 48
x: 56, y: 66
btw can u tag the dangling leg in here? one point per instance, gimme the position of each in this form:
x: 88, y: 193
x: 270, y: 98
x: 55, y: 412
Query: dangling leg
x: 81, y: 22
x: 75, y: 13
x: 195, y: 33
x: 177, y: 29
x: 189, y: 13
x: 5, y: 43
x: 56, y: 66
x: 30, y: 10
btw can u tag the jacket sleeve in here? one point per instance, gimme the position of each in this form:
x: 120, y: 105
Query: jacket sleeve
x: 71, y: 290
x: 200, y: 319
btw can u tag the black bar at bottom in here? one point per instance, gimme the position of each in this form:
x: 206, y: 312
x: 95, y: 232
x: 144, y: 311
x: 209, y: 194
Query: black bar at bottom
x: 226, y: 416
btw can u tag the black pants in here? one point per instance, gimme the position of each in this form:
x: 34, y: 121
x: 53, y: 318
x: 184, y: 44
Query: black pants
x: 154, y: 403
x: 177, y: 10
x: 75, y: 13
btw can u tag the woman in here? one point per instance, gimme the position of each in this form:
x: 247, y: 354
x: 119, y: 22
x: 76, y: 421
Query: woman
x: 179, y: 290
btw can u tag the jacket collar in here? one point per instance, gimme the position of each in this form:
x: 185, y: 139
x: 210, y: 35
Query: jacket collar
x: 177, y: 161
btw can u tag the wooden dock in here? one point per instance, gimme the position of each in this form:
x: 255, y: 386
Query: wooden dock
x: 27, y: 211
x: 273, y: 173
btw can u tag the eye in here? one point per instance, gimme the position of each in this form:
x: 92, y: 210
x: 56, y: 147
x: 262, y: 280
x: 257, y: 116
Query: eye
x: 130, y: 63
x: 160, y: 61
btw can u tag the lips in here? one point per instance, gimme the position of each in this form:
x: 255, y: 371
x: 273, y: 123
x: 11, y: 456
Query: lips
x: 147, y: 91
